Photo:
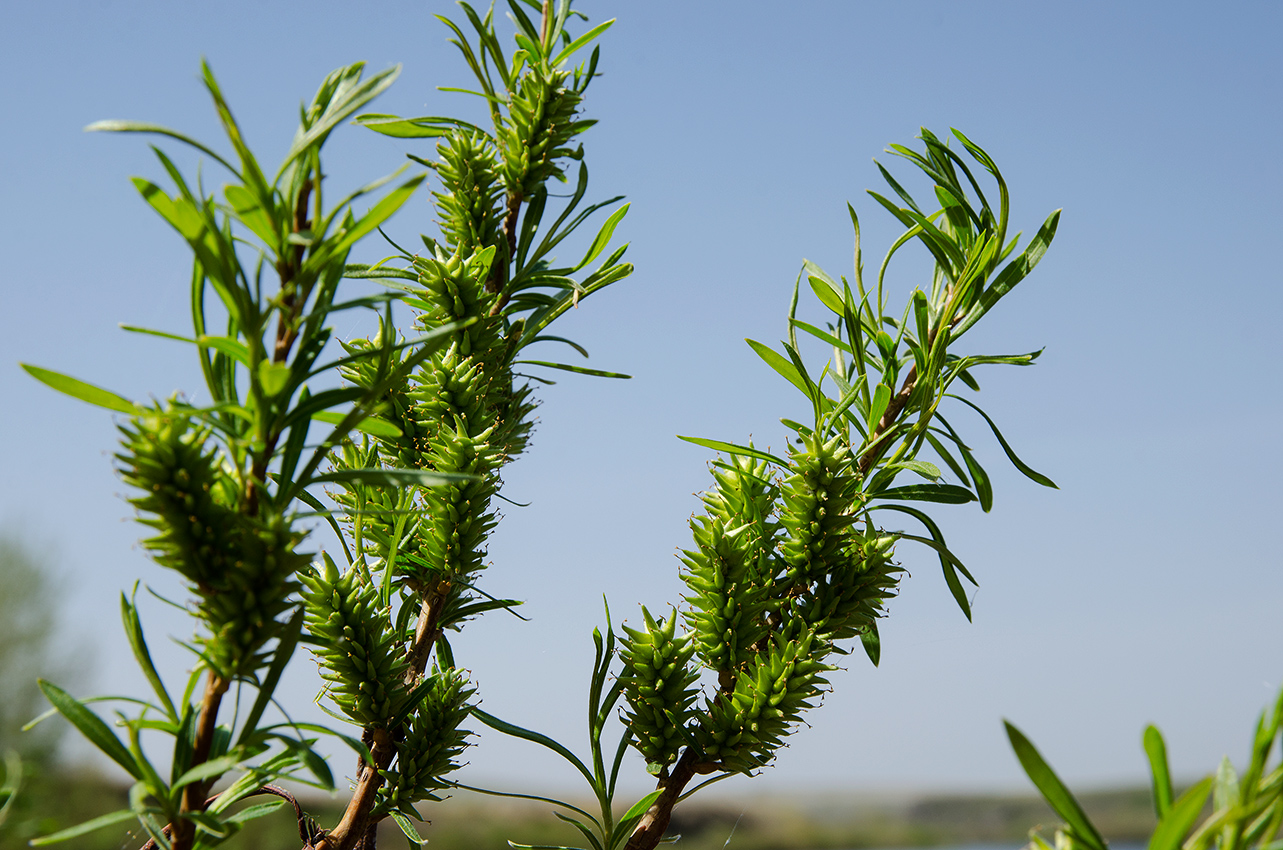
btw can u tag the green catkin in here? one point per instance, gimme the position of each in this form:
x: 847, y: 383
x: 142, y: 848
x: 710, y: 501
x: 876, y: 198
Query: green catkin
x: 240, y: 568
x: 360, y: 659
x: 731, y: 570
x: 432, y: 742
x: 659, y: 685
x: 541, y: 125
x: 469, y: 204
x: 779, y: 573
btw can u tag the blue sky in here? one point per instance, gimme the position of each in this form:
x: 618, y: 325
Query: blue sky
x: 1146, y: 589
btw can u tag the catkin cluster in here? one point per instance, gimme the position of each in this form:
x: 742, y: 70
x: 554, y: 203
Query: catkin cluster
x: 743, y: 727
x: 835, y: 578
x: 541, y: 122
x: 780, y: 571
x: 432, y: 742
x: 359, y: 655
x: 731, y: 569
x: 470, y: 201
x: 659, y: 684
x: 240, y: 567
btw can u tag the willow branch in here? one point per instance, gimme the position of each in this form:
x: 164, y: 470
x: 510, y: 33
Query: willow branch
x: 194, y: 794
x: 650, y: 829
x: 356, y: 817
x: 426, y: 631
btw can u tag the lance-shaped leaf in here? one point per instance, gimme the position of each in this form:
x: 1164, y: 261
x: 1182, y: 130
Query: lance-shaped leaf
x: 781, y: 364
x: 1180, y: 818
x: 91, y: 726
x: 565, y: 367
x: 949, y: 494
x: 1161, y: 777
x: 735, y: 449
x: 1053, y: 790
x: 1014, y: 272
x: 349, y: 96
x: 535, y: 737
x: 1024, y: 468
x: 100, y: 822
x: 394, y: 477
x: 79, y: 389
x: 134, y: 631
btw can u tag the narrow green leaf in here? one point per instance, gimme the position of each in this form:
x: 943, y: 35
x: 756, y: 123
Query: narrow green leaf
x: 603, y: 236
x: 872, y: 643
x: 273, y: 376
x: 1225, y: 793
x: 208, y: 823
x: 256, y: 811
x: 233, y: 348
x: 949, y: 494
x: 1180, y: 818
x: 587, y: 833
x: 1014, y: 272
x: 79, y: 389
x: 134, y: 631
x: 927, y: 470
x: 1011, y: 455
x: 824, y: 287
x: 979, y: 477
x: 117, y: 126
x: 516, y: 796
x: 346, y: 100
x: 394, y: 477
x: 956, y: 589
x: 881, y: 398
x: 534, y: 737
x: 181, y: 213
x: 584, y: 39
x: 252, y: 215
x: 408, y: 828
x: 733, y: 448
x: 1053, y: 790
x: 100, y: 822
x: 824, y: 335
x: 370, y: 425
x: 780, y: 364
x: 565, y: 367
x: 91, y: 726
x: 936, y: 541
x: 424, y: 127
x: 210, y: 769
x: 1156, y: 749
x: 639, y: 808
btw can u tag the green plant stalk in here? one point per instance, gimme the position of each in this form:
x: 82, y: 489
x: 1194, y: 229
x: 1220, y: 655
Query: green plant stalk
x: 765, y: 614
x: 218, y: 483
x: 462, y: 412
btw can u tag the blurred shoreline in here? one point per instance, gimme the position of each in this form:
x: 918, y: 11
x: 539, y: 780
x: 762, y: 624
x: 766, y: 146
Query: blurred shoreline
x: 810, y: 820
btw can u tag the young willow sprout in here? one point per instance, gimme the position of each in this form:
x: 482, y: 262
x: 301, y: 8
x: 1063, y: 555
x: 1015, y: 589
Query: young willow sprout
x: 789, y: 560
x: 418, y: 426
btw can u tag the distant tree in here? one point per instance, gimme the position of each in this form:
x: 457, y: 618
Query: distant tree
x: 27, y: 629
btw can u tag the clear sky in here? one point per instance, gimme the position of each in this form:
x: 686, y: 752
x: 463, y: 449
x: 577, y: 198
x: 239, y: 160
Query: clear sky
x: 1147, y: 589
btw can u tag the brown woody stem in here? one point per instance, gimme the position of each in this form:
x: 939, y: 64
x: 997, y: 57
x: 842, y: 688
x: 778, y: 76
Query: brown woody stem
x: 426, y: 631
x: 650, y: 829
x: 184, y: 831
x: 892, y: 413
x: 356, y: 817
x: 498, y: 275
